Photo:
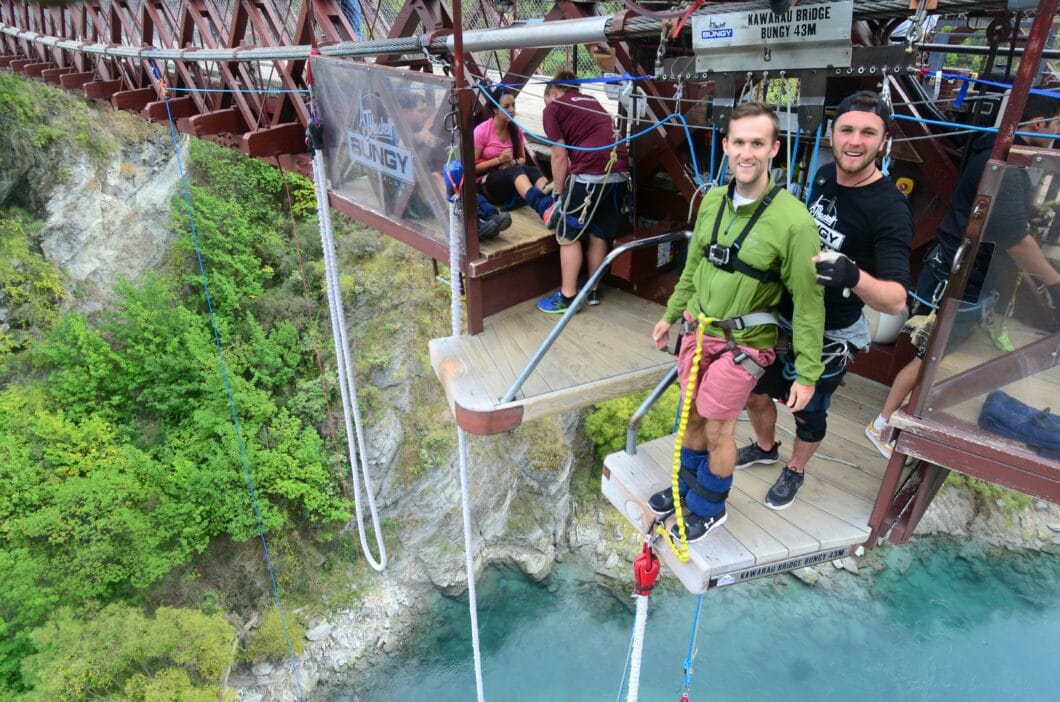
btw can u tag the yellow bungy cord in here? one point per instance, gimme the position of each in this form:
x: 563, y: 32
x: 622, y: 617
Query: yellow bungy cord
x: 681, y: 550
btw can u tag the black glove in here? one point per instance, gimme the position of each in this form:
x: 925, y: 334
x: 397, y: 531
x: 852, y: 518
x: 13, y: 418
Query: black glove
x: 835, y: 270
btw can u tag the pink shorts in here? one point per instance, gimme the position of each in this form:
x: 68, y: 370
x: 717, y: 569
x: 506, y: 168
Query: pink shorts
x: 722, y: 387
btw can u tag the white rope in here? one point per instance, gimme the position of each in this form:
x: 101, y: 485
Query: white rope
x: 639, y: 624
x: 347, y: 384
x: 455, y: 228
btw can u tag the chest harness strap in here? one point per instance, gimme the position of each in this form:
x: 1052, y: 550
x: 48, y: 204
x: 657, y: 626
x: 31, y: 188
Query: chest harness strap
x: 727, y: 258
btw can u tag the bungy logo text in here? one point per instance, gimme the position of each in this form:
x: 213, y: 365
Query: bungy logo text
x: 372, y: 144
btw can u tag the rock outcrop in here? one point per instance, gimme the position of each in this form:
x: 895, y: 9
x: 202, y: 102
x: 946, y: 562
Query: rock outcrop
x: 112, y: 219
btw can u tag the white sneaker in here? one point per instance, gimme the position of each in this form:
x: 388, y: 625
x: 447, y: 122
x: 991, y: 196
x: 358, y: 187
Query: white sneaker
x: 886, y: 448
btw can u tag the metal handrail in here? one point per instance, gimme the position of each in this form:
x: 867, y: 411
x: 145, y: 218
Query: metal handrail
x: 579, y: 300
x: 642, y: 410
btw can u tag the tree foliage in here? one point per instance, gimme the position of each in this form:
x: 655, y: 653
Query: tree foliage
x: 606, y: 423
x: 30, y: 287
x: 119, y: 456
x: 119, y: 653
x: 269, y: 641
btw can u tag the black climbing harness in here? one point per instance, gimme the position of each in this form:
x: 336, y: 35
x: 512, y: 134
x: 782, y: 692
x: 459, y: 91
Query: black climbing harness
x: 727, y: 258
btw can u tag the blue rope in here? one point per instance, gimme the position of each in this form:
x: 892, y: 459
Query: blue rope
x: 228, y: 391
x: 679, y: 117
x: 687, y: 682
x: 262, y: 91
x: 352, y: 10
x: 573, y: 81
x: 813, y: 161
x: 625, y: 666
x: 969, y: 79
x: 970, y: 127
x: 691, y: 148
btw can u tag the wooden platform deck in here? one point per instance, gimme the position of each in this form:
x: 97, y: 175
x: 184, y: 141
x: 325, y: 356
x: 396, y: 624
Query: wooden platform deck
x: 828, y: 519
x: 605, y: 352
x: 526, y: 239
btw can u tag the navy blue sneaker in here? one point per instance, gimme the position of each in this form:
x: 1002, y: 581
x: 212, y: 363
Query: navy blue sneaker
x: 697, y: 527
x: 782, y: 494
x: 555, y: 303
x: 662, y: 503
x: 753, y: 453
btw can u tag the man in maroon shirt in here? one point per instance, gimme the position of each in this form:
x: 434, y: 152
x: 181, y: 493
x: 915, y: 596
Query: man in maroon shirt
x: 591, y: 178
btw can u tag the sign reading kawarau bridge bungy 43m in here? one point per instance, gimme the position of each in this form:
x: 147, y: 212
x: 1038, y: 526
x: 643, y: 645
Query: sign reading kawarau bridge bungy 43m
x: 806, y: 36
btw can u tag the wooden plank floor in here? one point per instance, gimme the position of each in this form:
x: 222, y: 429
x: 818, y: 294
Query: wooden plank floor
x: 527, y: 229
x: 605, y: 352
x: 828, y: 518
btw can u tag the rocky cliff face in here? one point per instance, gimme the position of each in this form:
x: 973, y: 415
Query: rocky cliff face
x: 112, y: 219
x: 106, y: 215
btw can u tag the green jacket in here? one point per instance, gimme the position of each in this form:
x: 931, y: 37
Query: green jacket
x: 785, y: 240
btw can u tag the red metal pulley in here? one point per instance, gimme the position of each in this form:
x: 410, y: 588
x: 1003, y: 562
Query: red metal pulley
x: 645, y: 571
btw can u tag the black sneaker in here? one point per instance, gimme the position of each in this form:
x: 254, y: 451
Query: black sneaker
x: 493, y: 225
x: 753, y: 453
x: 697, y: 527
x: 594, y: 297
x: 662, y: 502
x: 782, y: 494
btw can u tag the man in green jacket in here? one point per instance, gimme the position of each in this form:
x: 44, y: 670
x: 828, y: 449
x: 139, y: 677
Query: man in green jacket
x: 752, y: 240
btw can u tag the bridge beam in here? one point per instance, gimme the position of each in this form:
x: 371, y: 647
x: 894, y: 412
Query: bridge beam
x: 102, y: 89
x: 163, y: 110
x: 273, y: 141
x: 228, y: 121
x: 133, y: 100
x: 34, y: 70
x: 54, y: 75
x: 76, y: 81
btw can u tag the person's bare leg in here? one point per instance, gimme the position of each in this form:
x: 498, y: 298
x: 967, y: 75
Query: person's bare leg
x: 722, y: 446
x: 763, y: 415
x: 801, y: 454
x: 522, y: 184
x: 695, y: 431
x: 597, y: 252
x: 570, y: 263
x: 900, y: 389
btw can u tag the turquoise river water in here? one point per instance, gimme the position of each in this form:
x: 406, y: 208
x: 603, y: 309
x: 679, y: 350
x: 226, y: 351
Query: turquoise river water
x: 935, y: 620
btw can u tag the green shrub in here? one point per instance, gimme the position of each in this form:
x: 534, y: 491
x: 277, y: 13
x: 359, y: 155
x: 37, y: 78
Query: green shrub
x: 268, y: 642
x: 606, y: 423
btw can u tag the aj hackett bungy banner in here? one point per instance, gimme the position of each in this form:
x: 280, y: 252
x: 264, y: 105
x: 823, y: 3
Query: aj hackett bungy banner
x: 385, y: 140
x: 806, y: 36
x: 373, y: 143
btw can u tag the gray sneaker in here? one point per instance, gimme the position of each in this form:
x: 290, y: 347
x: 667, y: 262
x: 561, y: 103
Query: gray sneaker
x: 782, y: 494
x: 753, y: 453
